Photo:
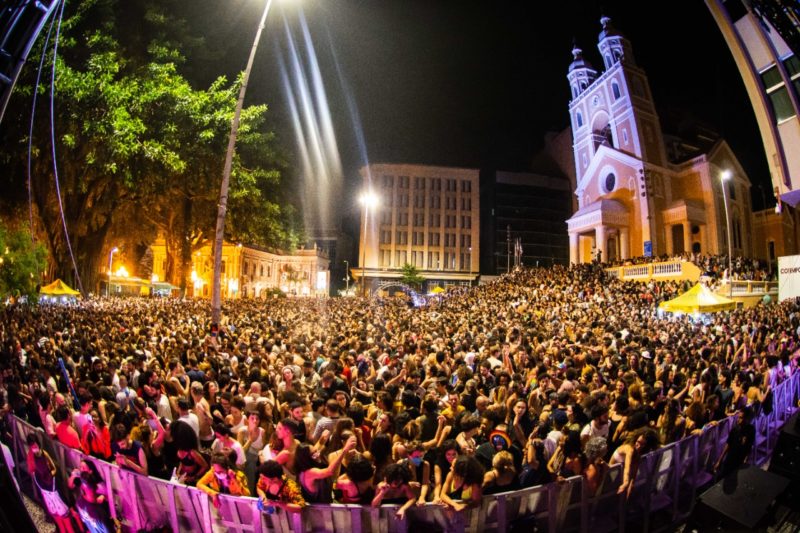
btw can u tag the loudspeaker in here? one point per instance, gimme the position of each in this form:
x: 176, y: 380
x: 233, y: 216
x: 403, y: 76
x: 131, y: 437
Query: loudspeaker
x: 786, y: 457
x: 740, y: 502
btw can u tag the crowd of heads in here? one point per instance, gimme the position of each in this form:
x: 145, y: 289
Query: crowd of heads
x: 542, y: 374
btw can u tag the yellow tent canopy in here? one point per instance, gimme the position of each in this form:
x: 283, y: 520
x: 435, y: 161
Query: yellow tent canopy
x: 437, y: 290
x: 698, y: 299
x: 58, y: 288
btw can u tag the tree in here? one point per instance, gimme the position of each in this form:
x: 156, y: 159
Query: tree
x: 411, y: 276
x: 140, y: 150
x: 21, y: 262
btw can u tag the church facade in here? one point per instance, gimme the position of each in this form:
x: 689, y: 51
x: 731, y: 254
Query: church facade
x: 634, y: 198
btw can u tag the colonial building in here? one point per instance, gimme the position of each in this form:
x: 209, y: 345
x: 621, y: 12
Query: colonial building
x: 425, y: 216
x: 252, y: 272
x: 634, y: 200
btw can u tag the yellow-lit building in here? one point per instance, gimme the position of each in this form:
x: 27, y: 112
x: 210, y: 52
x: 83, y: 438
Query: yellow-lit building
x: 634, y: 198
x: 425, y: 216
x: 251, y: 272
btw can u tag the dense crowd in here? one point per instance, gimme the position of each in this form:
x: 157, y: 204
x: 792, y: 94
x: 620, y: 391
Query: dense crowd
x: 540, y: 375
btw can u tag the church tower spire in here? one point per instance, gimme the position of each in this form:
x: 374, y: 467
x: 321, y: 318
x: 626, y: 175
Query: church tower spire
x: 613, y: 46
x: 580, y: 74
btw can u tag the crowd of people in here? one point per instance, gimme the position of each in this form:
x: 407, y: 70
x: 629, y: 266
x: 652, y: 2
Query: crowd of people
x: 543, y: 374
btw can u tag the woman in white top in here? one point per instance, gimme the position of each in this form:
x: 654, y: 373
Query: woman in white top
x: 253, y: 439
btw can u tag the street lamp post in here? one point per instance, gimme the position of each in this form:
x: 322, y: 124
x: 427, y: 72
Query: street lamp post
x: 110, y: 261
x: 369, y: 200
x: 724, y: 177
x: 222, y: 207
x: 347, y: 277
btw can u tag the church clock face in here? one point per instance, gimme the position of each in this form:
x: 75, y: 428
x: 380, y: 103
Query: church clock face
x: 596, y: 101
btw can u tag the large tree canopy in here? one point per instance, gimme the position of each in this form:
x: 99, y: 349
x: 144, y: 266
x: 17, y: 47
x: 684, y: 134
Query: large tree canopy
x: 139, y: 149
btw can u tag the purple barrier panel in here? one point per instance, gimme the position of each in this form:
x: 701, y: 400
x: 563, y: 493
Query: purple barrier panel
x: 438, y: 517
x: 239, y: 514
x: 337, y: 517
x: 605, y: 511
x: 381, y: 519
x: 188, y: 508
x: 569, y: 504
x: 687, y: 471
x: 154, y: 501
x: 662, y: 494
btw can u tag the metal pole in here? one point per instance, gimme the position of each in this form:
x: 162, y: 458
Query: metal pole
x: 110, y: 264
x: 222, y: 207
x: 364, y: 254
x: 347, y: 277
x: 728, y: 231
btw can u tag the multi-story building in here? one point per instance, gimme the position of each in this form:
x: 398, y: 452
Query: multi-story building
x: 771, y: 74
x: 251, y: 272
x: 427, y: 217
x: 633, y: 199
x: 527, y: 209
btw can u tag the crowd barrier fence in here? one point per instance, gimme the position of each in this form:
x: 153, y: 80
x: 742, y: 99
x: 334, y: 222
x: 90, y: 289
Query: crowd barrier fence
x: 664, y: 492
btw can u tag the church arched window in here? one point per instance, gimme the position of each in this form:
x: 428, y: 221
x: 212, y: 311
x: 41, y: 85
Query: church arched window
x: 579, y: 119
x: 615, y: 90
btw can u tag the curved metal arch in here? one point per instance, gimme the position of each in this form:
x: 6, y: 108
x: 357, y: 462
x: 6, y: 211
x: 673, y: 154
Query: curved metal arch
x: 21, y: 21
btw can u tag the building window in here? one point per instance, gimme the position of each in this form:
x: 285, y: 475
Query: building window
x: 402, y: 258
x: 615, y: 91
x: 579, y: 119
x: 466, y: 222
x: 792, y: 64
x: 778, y: 95
x: 404, y: 182
x: 625, y: 135
x: 386, y: 257
x: 609, y: 182
x: 435, y: 220
x: 731, y: 190
x: 466, y: 204
x: 584, y: 161
x: 388, y: 181
x: 419, y: 219
x: 433, y: 239
x: 771, y: 250
x: 436, y: 184
x: 466, y: 186
x: 436, y: 202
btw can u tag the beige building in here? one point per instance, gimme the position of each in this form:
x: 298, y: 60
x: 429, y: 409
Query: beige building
x: 425, y: 216
x: 251, y: 272
x: 633, y: 199
x: 776, y: 234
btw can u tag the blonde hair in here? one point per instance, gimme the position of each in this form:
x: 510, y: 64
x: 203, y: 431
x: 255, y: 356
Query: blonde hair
x: 503, y: 462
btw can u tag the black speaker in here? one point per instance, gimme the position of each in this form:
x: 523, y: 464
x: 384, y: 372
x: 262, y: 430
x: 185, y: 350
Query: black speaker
x: 740, y: 502
x: 786, y: 456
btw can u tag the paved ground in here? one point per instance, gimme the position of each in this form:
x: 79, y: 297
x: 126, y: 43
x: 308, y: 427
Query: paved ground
x: 39, y: 516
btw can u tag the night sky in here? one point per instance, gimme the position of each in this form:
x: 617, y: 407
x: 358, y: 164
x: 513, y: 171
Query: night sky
x: 478, y: 84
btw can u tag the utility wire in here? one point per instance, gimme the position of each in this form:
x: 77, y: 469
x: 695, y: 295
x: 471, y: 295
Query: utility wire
x: 53, y: 145
x: 30, y: 130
